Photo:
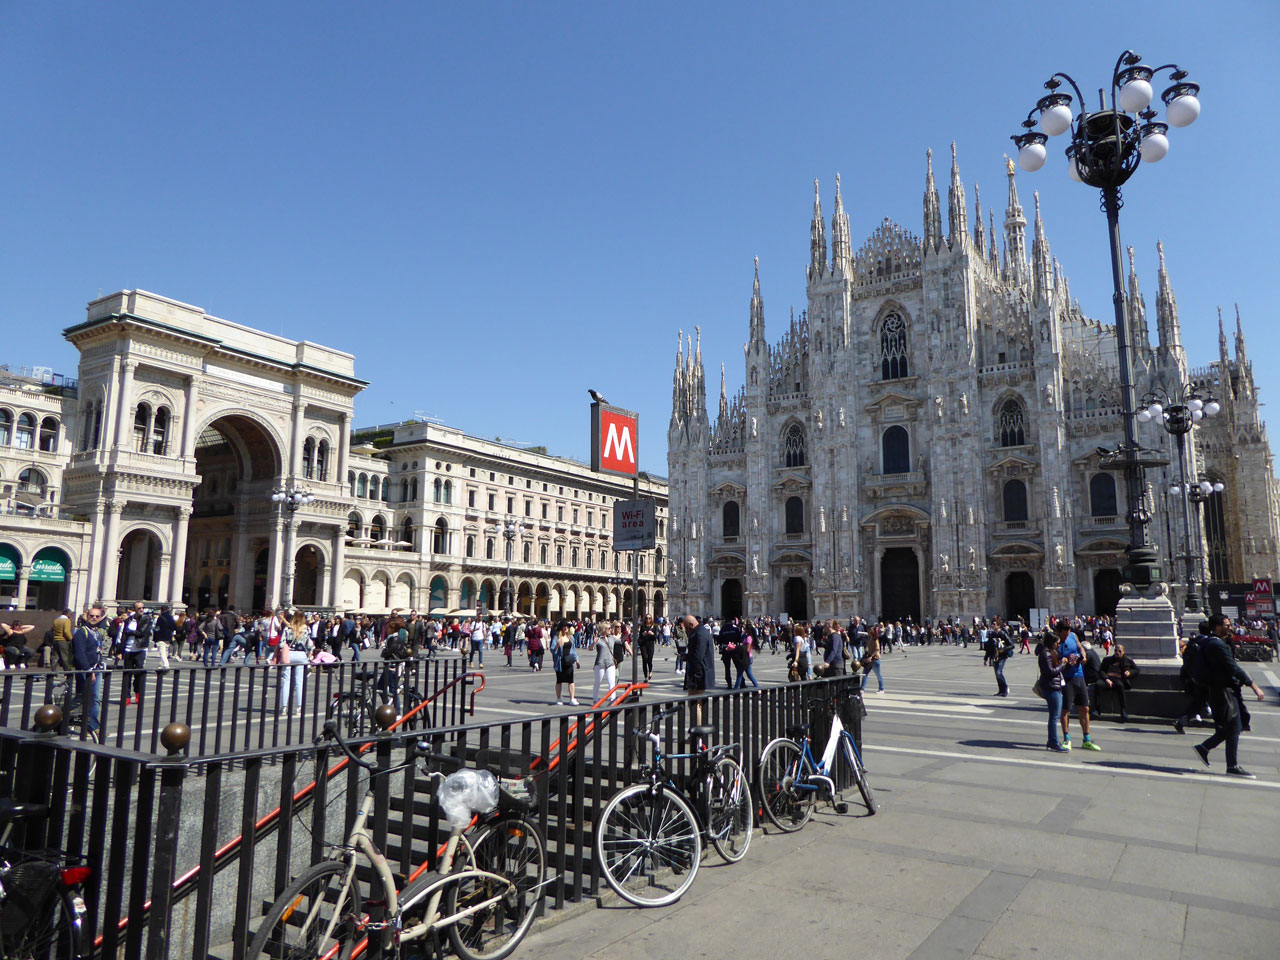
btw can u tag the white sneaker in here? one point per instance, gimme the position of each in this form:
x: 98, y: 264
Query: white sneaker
x: 573, y: 703
x: 559, y: 703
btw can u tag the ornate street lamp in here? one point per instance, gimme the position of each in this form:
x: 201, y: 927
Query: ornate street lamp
x: 1104, y: 148
x: 292, y: 499
x: 510, y: 530
x: 1178, y: 411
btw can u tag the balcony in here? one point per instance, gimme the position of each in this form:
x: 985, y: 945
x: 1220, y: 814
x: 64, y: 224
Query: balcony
x: 1016, y: 528
x: 895, y: 484
x: 1102, y: 523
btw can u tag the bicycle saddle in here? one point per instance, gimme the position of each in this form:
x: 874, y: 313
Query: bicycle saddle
x: 364, y: 673
x: 704, y: 731
x: 798, y: 732
x: 18, y: 810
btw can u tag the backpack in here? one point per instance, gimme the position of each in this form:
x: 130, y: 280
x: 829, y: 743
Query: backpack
x: 535, y: 644
x: 619, y: 652
x: 1193, y: 672
x: 296, y: 641
x: 395, y: 648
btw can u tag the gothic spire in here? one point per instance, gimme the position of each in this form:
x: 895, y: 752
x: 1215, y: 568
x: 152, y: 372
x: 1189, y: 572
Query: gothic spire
x: 979, y: 238
x: 957, y: 211
x: 1167, y: 309
x: 817, y: 238
x: 757, y: 308
x: 677, y: 380
x: 1137, y: 308
x: 724, y: 400
x: 992, y: 254
x: 841, y: 247
x: 1241, y: 357
x: 1041, y: 260
x: 1015, y: 231
x: 932, y: 208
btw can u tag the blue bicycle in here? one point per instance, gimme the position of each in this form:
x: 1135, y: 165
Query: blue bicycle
x: 792, y: 781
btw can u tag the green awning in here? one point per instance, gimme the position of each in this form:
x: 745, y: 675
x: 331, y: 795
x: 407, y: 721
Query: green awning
x: 49, y: 566
x: 10, y: 560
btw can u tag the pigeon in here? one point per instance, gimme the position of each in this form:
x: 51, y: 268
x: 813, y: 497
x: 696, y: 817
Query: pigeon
x: 596, y: 397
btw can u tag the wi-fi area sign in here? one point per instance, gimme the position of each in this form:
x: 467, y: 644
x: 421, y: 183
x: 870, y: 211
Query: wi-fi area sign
x: 615, y: 440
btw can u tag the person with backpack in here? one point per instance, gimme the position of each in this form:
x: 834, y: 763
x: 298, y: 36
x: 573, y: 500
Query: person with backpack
x: 999, y: 648
x: 394, y: 654
x: 294, y: 654
x: 1223, y: 677
x: 1198, y: 704
x: 534, y: 636
x: 564, y: 657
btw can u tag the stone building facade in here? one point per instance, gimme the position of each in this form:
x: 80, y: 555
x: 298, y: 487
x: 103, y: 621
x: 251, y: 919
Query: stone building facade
x: 150, y: 477
x: 924, y: 439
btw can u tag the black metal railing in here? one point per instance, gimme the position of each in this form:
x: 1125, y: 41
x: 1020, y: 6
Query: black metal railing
x: 233, y: 708
x: 158, y: 834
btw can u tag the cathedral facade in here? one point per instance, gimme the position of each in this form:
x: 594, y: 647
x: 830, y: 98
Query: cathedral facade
x: 926, y: 439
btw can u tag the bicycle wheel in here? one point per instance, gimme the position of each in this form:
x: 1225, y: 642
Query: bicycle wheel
x: 511, y: 848
x: 648, y: 842
x: 787, y: 808
x: 352, y: 714
x: 854, y: 760
x: 421, y: 720
x: 729, y: 819
x: 298, y: 923
x: 77, y: 729
x: 48, y: 933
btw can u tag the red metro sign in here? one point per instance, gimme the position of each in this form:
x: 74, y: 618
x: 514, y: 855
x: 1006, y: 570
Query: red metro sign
x: 614, y: 440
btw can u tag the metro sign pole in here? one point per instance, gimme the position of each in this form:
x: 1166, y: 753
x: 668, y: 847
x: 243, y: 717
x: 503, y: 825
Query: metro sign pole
x: 615, y: 448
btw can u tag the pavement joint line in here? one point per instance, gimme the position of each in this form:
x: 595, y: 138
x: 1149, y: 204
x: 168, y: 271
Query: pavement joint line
x: 1061, y: 818
x: 1157, y: 893
x: 1260, y: 859
x: 1191, y: 776
x: 1272, y: 679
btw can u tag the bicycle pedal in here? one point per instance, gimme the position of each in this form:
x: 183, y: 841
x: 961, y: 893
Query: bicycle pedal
x: 841, y: 808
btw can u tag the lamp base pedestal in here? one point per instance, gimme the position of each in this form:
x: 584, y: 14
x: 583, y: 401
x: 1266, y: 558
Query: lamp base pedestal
x: 1147, y: 628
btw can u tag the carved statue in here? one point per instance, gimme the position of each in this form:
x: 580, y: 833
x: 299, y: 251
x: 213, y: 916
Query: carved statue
x: 964, y: 405
x: 973, y: 560
x: 1057, y: 555
x: 1044, y: 331
x: 754, y: 433
x: 946, y: 563
x: 755, y: 563
x: 1057, y: 505
x: 937, y: 407
x: 920, y: 463
x: 842, y: 416
x: 942, y: 509
x: 1048, y: 394
x: 971, y: 524
x: 819, y: 419
x: 693, y: 566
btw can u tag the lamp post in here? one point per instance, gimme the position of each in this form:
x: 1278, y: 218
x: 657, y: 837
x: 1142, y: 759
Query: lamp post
x: 1178, y: 411
x: 290, y: 499
x: 1104, y: 148
x: 510, y: 530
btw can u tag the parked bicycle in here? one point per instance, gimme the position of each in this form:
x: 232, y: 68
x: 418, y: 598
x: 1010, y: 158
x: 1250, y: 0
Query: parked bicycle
x: 41, y: 909
x: 792, y: 781
x: 649, y: 839
x: 353, y: 709
x: 489, y: 878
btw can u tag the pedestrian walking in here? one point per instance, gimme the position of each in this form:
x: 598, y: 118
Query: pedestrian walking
x: 871, y: 659
x: 1224, y: 678
x: 648, y: 644
x: 1000, y: 647
x: 700, y: 668
x: 605, y: 669
x: 564, y: 657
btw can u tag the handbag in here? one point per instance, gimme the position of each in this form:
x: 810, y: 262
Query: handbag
x: 1038, y: 690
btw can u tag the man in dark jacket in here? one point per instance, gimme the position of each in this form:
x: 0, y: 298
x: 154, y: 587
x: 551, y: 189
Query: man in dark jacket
x: 728, y: 641
x: 700, y: 667
x: 1223, y: 677
x: 87, y: 643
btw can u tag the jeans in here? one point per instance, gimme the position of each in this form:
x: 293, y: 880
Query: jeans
x: 1054, y: 699
x: 232, y: 648
x: 875, y: 665
x: 292, y: 677
x: 745, y: 674
x: 210, y: 656
x: 389, y: 683
x: 1001, y: 686
x: 91, y: 684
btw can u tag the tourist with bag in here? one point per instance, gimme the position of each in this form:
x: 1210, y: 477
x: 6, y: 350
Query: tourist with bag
x: 1050, y: 686
x: 294, y: 653
x: 394, y: 654
x: 534, y: 637
x: 564, y: 657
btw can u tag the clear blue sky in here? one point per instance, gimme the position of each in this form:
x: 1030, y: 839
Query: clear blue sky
x: 495, y: 206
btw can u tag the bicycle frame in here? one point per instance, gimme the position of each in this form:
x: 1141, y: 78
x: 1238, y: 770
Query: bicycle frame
x: 704, y: 758
x: 821, y: 770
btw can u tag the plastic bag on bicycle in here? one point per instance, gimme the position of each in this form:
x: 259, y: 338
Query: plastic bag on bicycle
x: 467, y: 792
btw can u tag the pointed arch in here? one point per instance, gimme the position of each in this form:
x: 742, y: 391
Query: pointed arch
x: 893, y: 336
x: 793, y: 444
x: 1011, y: 422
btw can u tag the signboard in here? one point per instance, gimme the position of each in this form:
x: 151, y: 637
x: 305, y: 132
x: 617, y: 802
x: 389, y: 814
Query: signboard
x: 615, y: 442
x: 50, y: 571
x: 1038, y: 619
x: 1250, y: 598
x: 635, y: 525
x: 1250, y: 604
x: 8, y: 569
x: 1264, y: 599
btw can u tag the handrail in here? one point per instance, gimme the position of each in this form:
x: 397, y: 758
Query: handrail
x: 222, y: 855
x: 606, y: 701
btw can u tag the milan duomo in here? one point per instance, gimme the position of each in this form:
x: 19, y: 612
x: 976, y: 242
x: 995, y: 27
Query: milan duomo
x: 924, y: 439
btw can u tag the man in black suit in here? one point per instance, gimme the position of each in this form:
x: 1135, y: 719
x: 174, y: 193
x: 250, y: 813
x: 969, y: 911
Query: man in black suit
x: 700, y: 667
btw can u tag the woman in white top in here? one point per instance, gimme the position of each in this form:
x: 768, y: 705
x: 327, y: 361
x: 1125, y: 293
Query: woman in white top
x: 606, y: 670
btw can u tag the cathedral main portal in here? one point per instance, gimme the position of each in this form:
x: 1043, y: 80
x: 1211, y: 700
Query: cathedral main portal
x: 899, y: 585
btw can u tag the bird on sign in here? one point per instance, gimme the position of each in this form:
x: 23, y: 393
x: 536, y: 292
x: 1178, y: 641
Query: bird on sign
x: 596, y: 397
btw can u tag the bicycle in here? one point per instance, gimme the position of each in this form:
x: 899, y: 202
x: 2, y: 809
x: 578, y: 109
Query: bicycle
x: 41, y: 909
x: 791, y: 780
x: 649, y: 840
x: 353, y: 709
x: 490, y: 877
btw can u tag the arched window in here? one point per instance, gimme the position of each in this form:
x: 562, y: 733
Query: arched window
x: 448, y: 491
x: 309, y: 458
x: 1015, y: 501
x: 351, y: 481
x: 404, y: 489
x: 440, y: 538
x: 559, y: 556
x: 386, y: 490
x: 573, y: 557
x: 25, y: 438
x: 489, y: 548
x: 1011, y: 428
x: 1102, y: 496
x: 378, y: 528
x: 590, y: 559
x: 406, y: 533
x: 413, y: 490
x: 657, y: 561
x: 542, y: 554
x: 730, y: 518
x: 794, y: 515
x: 793, y: 446
x: 362, y: 485
x: 32, y: 480
x: 436, y: 487
x: 893, y: 348
x: 97, y: 424
x: 528, y: 552
x: 895, y: 447
x: 322, y: 461
x: 49, y: 435
x: 615, y: 563
x: 1215, y: 529
x: 141, y: 427
x: 160, y: 431
x: 6, y: 428
x: 354, y: 525
x: 470, y: 546
x: 86, y: 435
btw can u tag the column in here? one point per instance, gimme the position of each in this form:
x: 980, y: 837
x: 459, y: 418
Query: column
x: 295, y: 441
x: 111, y: 552
x: 344, y: 443
x: 24, y: 576
x: 289, y: 559
x: 337, y: 568
x: 123, y: 420
x: 166, y: 571
x: 178, y: 563
x: 274, y: 561
x: 189, y: 418
x: 93, y: 564
x: 108, y: 438
x: 322, y: 584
